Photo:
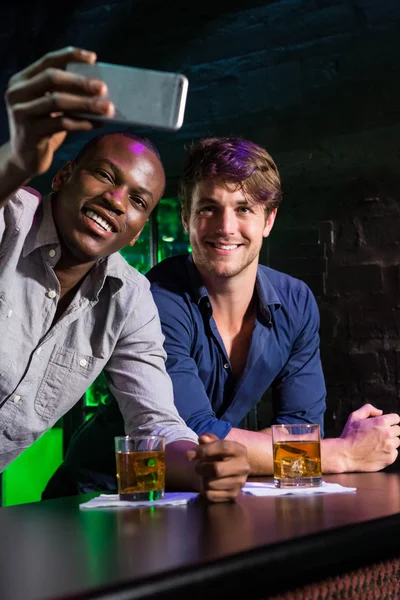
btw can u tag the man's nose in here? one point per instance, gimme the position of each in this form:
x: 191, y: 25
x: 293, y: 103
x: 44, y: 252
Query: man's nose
x: 116, y: 197
x: 227, y: 223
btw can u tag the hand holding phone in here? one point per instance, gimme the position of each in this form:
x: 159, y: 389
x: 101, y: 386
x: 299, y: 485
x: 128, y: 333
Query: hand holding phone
x: 141, y: 96
x: 39, y: 100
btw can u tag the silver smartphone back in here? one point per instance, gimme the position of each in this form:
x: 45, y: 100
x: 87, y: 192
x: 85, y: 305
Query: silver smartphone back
x: 143, y: 97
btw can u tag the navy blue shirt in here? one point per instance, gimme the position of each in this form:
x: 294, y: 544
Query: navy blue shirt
x: 284, y: 352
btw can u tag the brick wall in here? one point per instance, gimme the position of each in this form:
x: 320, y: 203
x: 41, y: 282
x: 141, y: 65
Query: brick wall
x: 361, y: 309
x: 316, y: 82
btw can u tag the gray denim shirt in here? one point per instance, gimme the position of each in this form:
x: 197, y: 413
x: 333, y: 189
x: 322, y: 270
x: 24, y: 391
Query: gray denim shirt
x: 111, y: 324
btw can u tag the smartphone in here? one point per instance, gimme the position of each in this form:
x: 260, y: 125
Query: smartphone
x: 143, y: 97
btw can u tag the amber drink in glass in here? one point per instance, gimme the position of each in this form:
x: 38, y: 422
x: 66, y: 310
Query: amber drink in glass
x: 297, y: 455
x: 140, y: 467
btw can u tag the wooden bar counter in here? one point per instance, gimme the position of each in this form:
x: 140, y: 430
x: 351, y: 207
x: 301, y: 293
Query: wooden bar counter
x: 254, y: 548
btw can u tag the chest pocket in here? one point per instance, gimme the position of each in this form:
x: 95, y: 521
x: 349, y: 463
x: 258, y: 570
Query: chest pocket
x: 66, y: 379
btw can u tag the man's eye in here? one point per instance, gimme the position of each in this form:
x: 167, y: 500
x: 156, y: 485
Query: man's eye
x: 138, y: 201
x: 104, y: 174
x: 205, y: 210
x: 243, y: 209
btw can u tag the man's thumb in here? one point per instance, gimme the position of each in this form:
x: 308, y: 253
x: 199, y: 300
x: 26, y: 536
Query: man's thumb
x: 207, y: 438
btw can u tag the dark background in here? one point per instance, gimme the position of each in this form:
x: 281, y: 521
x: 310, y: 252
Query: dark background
x: 317, y: 83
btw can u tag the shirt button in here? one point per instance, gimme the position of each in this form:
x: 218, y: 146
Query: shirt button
x: 83, y: 362
x: 226, y: 366
x: 51, y: 294
x: 52, y: 253
x: 16, y: 399
x: 9, y: 314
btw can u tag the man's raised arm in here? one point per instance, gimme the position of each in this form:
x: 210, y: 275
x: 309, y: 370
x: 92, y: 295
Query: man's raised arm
x: 39, y: 99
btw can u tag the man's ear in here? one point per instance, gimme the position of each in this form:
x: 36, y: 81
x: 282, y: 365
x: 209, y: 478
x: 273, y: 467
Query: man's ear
x: 135, y: 239
x: 185, y: 221
x: 62, y: 176
x: 269, y: 222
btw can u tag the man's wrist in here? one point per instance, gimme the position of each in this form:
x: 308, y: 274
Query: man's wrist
x: 12, y: 175
x: 13, y: 165
x: 334, y: 456
x: 180, y: 471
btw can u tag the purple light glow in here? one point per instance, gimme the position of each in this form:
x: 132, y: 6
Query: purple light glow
x: 137, y: 148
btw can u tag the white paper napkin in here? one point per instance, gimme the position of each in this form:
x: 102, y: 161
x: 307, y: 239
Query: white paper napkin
x: 113, y: 501
x: 269, y: 489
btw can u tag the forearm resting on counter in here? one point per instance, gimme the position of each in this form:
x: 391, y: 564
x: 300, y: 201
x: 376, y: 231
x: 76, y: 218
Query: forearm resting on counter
x: 259, y: 449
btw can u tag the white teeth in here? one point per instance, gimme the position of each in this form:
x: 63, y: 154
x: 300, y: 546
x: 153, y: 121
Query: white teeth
x: 222, y: 247
x: 95, y: 217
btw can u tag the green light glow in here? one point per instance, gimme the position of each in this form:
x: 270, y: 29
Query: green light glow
x: 23, y: 480
x: 172, y: 240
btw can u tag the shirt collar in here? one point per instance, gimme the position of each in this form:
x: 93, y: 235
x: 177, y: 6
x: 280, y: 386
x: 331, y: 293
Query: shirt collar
x: 111, y: 267
x: 267, y: 297
x: 44, y: 233
x: 197, y: 287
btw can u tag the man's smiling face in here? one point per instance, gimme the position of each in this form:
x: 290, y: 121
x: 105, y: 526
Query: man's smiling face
x: 103, y: 202
x: 226, y: 229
